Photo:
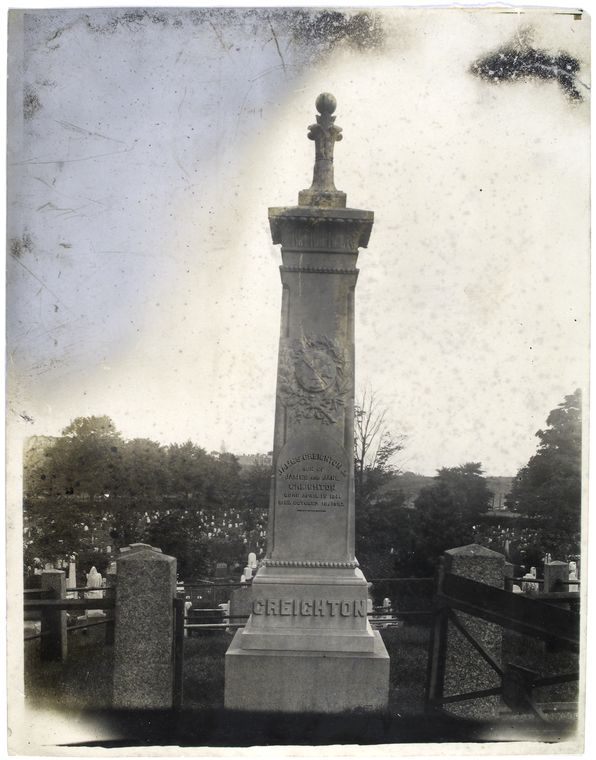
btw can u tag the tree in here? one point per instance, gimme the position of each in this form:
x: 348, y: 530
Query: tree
x: 445, y: 515
x: 467, y: 488
x: 83, y: 462
x: 438, y: 526
x: 143, y: 472
x: 188, y: 468
x: 67, y: 489
x: 377, y: 510
x: 548, y: 488
x: 90, y: 488
x: 179, y: 532
x: 254, y: 502
x: 374, y: 447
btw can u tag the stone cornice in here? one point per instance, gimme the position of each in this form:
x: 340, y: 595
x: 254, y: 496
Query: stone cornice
x: 319, y: 270
x: 319, y: 213
x: 350, y: 564
x: 321, y: 228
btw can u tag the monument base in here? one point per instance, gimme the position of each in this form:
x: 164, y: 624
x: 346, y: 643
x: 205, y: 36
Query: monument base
x: 306, y: 682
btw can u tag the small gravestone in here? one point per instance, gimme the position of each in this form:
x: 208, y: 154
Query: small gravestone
x: 221, y: 571
x: 71, y: 580
x: 555, y: 576
x: 187, y: 609
x: 574, y: 587
x: 94, y: 581
x: 529, y: 584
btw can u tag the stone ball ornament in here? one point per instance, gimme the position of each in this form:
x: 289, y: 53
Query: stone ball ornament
x: 326, y: 103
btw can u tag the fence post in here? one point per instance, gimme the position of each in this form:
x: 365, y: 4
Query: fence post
x: 438, y: 647
x: 53, y: 621
x: 110, y: 593
x: 508, y: 575
x: 179, y: 615
x: 144, y: 639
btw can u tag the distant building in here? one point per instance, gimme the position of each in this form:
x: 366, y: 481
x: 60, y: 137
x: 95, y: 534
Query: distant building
x: 251, y: 460
x: 500, y: 487
x: 408, y: 485
x: 34, y: 449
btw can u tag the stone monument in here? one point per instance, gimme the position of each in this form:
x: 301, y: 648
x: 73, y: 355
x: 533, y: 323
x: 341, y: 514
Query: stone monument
x: 308, y: 645
x: 143, y: 672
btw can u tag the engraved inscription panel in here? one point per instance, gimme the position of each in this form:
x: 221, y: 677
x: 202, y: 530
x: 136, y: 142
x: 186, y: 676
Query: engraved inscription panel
x: 310, y: 607
x: 312, y: 482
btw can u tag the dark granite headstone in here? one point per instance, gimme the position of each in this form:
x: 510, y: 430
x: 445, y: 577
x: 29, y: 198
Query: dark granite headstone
x: 465, y: 669
x: 143, y: 645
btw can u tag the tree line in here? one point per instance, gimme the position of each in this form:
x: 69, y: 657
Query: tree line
x: 545, y: 499
x: 89, y: 488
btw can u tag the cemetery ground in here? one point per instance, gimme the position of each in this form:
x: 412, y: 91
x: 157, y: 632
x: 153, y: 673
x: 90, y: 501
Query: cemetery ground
x: 82, y: 686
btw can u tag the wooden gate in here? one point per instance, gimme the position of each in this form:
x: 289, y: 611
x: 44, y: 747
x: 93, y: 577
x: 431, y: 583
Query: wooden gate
x: 532, y: 616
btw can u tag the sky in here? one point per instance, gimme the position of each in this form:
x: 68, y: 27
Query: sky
x: 145, y: 148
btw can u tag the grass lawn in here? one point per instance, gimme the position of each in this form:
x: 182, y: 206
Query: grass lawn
x: 84, y: 680
x: 83, y: 685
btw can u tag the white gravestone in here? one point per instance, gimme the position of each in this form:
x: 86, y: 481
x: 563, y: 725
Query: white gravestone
x: 573, y: 576
x: 71, y: 580
x: 94, y: 581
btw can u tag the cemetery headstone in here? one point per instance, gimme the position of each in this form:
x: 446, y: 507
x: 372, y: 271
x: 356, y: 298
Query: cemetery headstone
x: 187, y: 608
x: 573, y: 577
x: 308, y: 645
x: 94, y: 581
x: 465, y: 670
x: 143, y: 650
x: 529, y: 585
x: 555, y: 575
x: 71, y: 580
x: 221, y: 570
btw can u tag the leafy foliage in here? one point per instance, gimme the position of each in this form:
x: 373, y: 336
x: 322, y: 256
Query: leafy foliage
x: 377, y: 508
x: 89, y: 489
x: 374, y: 449
x: 548, y: 488
x: 444, y: 517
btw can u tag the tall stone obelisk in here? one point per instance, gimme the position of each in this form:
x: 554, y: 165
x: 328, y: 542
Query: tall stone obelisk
x: 308, y: 645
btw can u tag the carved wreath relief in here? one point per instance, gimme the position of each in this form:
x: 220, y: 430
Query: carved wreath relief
x: 312, y: 381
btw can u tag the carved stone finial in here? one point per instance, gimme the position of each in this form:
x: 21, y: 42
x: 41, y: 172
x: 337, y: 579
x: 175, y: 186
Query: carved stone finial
x: 326, y: 103
x: 325, y: 134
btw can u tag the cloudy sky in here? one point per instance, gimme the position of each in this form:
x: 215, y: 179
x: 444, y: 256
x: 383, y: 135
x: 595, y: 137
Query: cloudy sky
x: 145, y: 148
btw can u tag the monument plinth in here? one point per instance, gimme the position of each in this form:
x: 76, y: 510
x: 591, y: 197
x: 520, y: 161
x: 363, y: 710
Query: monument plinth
x: 308, y: 645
